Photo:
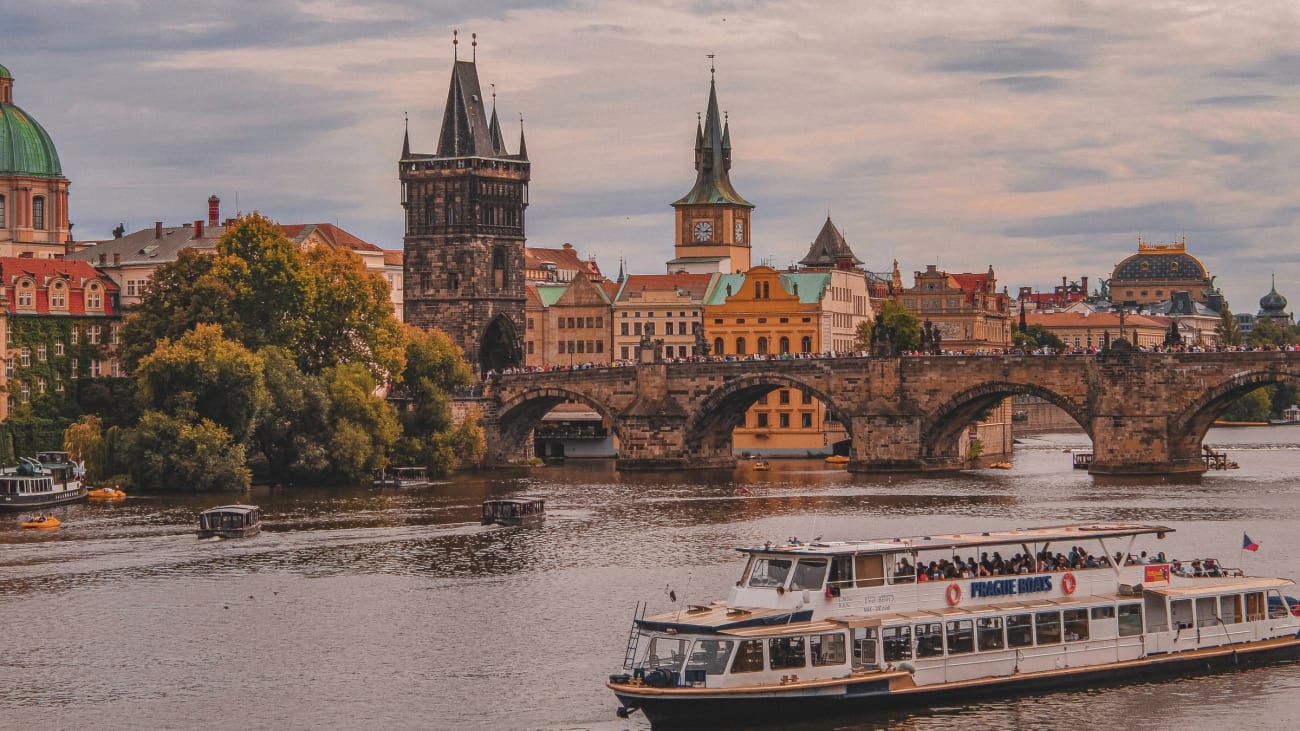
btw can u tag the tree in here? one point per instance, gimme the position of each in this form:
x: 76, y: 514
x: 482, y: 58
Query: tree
x: 1267, y: 332
x: 166, y: 453
x: 181, y: 295
x: 1226, y: 331
x: 1035, y: 337
x: 363, y: 426
x: 202, y: 375
x: 435, y: 368
x: 84, y: 440
x: 293, y: 425
x: 902, y: 324
x: 1254, y: 406
x: 268, y: 275
x: 349, y: 318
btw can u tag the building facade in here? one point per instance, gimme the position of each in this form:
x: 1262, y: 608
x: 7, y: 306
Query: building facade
x: 667, y: 307
x: 464, y: 244
x: 34, y: 221
x: 1158, y: 270
x: 970, y: 313
x: 568, y: 324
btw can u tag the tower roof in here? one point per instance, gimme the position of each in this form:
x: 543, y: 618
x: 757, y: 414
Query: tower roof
x: 25, y: 146
x: 466, y: 130
x: 829, y: 248
x: 713, y: 160
x: 1272, y: 303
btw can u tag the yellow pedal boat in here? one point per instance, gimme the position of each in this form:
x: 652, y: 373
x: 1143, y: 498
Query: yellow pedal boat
x: 42, y: 522
x: 762, y: 466
x: 107, y: 494
x: 837, y: 459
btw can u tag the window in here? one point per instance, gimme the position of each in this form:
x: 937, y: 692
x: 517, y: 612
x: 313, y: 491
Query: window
x: 762, y: 420
x: 1020, y: 630
x: 58, y: 382
x: 26, y: 294
x: 762, y: 346
x: 805, y: 398
x: 1103, y: 613
x: 530, y: 347
x: 1230, y: 608
x: 710, y: 656
x: 928, y: 639
x: 92, y: 334
x: 961, y: 637
x: 636, y: 328
x: 600, y: 322
x: 94, y: 298
x: 828, y: 649
x: 784, y: 420
x: 785, y: 345
x: 58, y: 295
x: 2, y: 211
x: 76, y: 334
x: 783, y: 396
x: 763, y: 399
x: 623, y: 353
x: 58, y: 347
x: 806, y: 345
x: 898, y: 643
x: 786, y: 652
x: 1130, y: 620
x: 41, y: 352
x: 1075, y: 622
x: 38, y: 213
x: 668, y: 328
x: 809, y: 574
x: 9, y: 367
x: 72, y: 368
x: 95, y: 369
x: 26, y: 393
x: 41, y: 384
x: 1047, y: 628
x: 749, y: 658
x: 623, y: 329
x: 665, y: 652
x: 806, y: 420
x: 740, y: 346
x: 988, y: 632
x: 591, y: 322
x: 717, y: 346
x: 769, y: 572
x: 26, y: 356
x: 864, y: 646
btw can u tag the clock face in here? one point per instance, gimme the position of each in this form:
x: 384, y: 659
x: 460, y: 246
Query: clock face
x: 703, y: 231
x: 740, y: 232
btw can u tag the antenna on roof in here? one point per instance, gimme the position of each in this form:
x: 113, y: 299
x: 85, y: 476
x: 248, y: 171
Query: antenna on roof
x: 455, y: 45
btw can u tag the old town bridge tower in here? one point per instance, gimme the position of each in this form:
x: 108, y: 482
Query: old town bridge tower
x: 464, y: 244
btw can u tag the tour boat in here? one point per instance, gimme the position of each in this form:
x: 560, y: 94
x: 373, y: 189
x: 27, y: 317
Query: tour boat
x: 1082, y: 459
x: 817, y: 629
x: 42, y: 522
x: 50, y: 478
x: 230, y: 521
x: 106, y: 494
x: 404, y: 477
x: 514, y: 511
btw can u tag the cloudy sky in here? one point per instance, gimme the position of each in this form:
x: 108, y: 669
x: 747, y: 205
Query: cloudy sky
x: 1039, y: 137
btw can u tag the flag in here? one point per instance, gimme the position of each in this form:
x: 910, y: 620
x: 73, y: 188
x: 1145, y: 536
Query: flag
x: 1247, y: 544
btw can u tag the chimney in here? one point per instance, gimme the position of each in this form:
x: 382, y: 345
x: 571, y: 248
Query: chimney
x: 103, y: 258
x: 157, y: 229
x: 1085, y: 286
x: 198, y: 229
x: 117, y: 260
x: 214, y: 211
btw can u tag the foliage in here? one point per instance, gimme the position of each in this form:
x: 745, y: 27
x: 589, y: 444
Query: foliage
x: 974, y: 450
x: 180, y: 296
x: 1268, y: 332
x: 200, y: 376
x: 168, y: 453
x: 1226, y: 331
x: 363, y: 427
x: 1035, y: 337
x: 349, y: 318
x: 84, y: 440
x: 23, y: 435
x: 1254, y: 406
x: 269, y: 277
x: 293, y: 423
x: 903, y: 326
x: 45, y: 385
x: 111, y: 399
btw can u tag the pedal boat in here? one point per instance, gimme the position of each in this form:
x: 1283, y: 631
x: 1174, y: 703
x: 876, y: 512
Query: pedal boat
x: 47, y: 522
x: 106, y: 495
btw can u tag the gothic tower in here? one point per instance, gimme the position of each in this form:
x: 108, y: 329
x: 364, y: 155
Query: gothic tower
x: 712, y: 220
x: 464, y: 243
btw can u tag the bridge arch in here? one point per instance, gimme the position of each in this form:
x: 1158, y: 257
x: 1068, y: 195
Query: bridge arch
x: 942, y: 426
x: 714, y: 418
x: 1188, y: 427
x: 519, y: 416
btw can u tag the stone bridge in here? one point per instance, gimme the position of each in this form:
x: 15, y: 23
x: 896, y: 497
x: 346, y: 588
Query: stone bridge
x: 1146, y: 413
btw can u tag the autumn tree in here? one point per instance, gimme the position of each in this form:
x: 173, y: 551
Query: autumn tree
x: 181, y: 295
x: 349, y: 316
x: 166, y: 453
x: 84, y: 440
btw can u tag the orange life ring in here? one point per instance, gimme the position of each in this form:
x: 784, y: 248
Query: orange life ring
x: 1068, y: 583
x: 954, y: 593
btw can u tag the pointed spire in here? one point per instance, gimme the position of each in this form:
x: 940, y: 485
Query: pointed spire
x: 713, y: 155
x: 494, y: 126
x: 621, y: 262
x: 406, y: 136
x: 523, y: 146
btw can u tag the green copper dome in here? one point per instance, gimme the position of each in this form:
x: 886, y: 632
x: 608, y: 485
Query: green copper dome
x: 25, y: 146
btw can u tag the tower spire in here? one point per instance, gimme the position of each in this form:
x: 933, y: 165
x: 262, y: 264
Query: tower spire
x: 406, y: 136
x: 523, y: 146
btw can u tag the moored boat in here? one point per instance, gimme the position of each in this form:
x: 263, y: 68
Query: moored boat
x: 514, y: 511
x: 49, y: 478
x: 761, y: 466
x: 230, y: 521
x: 837, y: 459
x: 42, y: 522
x: 817, y: 630
x: 109, y: 494
x: 1082, y: 459
x: 404, y: 477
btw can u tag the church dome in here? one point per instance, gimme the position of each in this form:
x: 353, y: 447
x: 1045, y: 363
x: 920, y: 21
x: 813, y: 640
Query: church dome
x: 1272, y: 302
x: 1160, y: 262
x: 25, y: 146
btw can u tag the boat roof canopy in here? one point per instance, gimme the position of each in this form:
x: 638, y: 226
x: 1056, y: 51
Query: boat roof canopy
x: 232, y: 509
x: 1249, y: 583
x: 911, y: 544
x: 515, y: 501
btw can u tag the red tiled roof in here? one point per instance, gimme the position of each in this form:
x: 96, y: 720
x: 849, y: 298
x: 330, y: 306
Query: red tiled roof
x: 1096, y: 319
x: 44, y: 271
x: 393, y: 258
x: 693, y: 284
x: 331, y: 233
x: 561, y: 258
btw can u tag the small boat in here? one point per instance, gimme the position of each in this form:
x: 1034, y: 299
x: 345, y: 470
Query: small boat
x: 49, y: 478
x: 1082, y: 459
x: 820, y: 630
x: 761, y: 466
x: 837, y: 459
x: 514, y: 511
x: 1000, y: 466
x: 42, y: 522
x: 230, y: 521
x: 404, y: 477
x: 1290, y: 415
x: 106, y: 494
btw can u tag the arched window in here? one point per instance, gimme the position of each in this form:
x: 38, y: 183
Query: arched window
x: 766, y: 295
x: 38, y: 213
x: 2, y: 211
x: 785, y: 345
x: 762, y: 346
x: 807, y: 344
x: 717, y: 346
x: 758, y: 290
x: 740, y: 346
x: 499, y: 263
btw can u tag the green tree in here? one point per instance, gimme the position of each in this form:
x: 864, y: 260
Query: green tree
x: 1035, y: 337
x: 1226, y: 331
x: 166, y: 453
x: 270, y: 279
x: 293, y: 425
x: 84, y: 440
x: 1254, y: 406
x: 181, y: 295
x: 349, y: 318
x: 202, y: 375
x: 363, y: 426
x: 1267, y: 332
x: 903, y: 326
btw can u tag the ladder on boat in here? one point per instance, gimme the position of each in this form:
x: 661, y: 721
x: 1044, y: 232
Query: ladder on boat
x: 633, y: 637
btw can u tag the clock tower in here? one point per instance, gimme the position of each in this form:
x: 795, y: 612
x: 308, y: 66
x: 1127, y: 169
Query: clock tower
x: 712, y: 220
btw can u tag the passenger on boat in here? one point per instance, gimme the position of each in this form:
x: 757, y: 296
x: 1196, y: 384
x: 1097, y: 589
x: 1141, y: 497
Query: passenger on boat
x: 1213, y: 569
x: 1179, y: 569
x: 904, y: 572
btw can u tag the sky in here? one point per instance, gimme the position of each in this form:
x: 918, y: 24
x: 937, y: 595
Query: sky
x: 1041, y: 138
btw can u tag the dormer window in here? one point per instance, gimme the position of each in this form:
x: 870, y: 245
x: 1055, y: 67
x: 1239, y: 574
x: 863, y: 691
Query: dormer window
x: 26, y: 294
x: 59, y: 295
x: 94, y: 297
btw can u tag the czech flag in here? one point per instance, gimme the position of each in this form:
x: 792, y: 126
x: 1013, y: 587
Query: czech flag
x: 1247, y: 544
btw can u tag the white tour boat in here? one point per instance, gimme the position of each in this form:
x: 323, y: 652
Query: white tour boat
x: 814, y: 630
x: 50, y: 478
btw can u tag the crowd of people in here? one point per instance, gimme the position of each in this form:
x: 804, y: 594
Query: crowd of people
x: 1043, y: 562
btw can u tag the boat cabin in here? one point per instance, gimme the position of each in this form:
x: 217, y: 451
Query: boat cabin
x: 230, y: 521
x: 514, y: 511
x: 404, y: 477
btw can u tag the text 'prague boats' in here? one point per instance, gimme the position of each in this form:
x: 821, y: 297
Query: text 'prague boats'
x: 51, y: 478
x: 826, y: 629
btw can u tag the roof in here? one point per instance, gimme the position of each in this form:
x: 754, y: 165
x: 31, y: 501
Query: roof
x: 563, y: 258
x: 394, y: 258
x: 549, y: 294
x: 1159, y: 261
x: 335, y: 236
x: 4, y: 73
x: 466, y: 129
x: 1217, y: 585
x: 44, y: 271
x: 145, y: 247
x: 1051, y: 320
x: 1049, y: 534
x: 829, y: 248
x: 713, y: 160
x: 695, y: 286
x: 232, y: 509
x: 25, y: 146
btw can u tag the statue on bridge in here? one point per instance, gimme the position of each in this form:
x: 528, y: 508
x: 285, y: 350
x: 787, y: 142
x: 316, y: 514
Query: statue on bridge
x: 931, y: 339
x: 882, y: 341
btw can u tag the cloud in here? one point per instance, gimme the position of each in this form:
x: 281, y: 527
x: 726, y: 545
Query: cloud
x: 1239, y: 100
x: 1028, y: 84
x: 1002, y: 56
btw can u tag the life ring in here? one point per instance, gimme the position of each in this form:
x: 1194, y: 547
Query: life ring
x: 1068, y: 583
x: 954, y: 593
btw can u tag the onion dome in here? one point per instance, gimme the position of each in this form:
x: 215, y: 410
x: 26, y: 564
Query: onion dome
x: 25, y: 147
x: 1272, y: 302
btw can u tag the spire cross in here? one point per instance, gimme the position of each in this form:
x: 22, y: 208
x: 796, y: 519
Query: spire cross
x: 711, y: 69
x: 455, y: 45
x: 494, y: 94
x: 474, y: 45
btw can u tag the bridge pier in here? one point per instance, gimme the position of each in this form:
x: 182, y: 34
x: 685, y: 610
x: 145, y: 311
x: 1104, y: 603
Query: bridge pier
x: 657, y: 443
x: 892, y: 443
x: 1140, y: 445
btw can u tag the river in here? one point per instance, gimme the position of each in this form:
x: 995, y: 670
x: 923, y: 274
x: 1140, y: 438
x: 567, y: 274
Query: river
x: 365, y: 608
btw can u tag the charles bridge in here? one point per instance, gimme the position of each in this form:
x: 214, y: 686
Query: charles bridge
x: 1146, y: 412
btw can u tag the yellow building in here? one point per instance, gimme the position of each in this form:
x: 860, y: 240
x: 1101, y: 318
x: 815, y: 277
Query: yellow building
x: 1088, y: 330
x: 668, y: 307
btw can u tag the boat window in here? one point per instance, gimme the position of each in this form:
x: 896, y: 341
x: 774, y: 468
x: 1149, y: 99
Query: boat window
x: 870, y: 569
x: 827, y: 649
x: 841, y: 572
x: 1103, y: 613
x: 1076, y: 624
x: 1254, y: 606
x: 710, y: 656
x: 749, y: 658
x: 988, y: 631
x: 666, y: 652
x: 1207, y: 614
x: 1180, y: 614
x: 769, y: 572
x: 864, y: 646
x: 928, y: 639
x: 1230, y: 608
x: 904, y: 571
x: 961, y: 637
x: 786, y: 652
x: 1020, y: 630
x: 898, y: 643
x: 809, y: 574
x: 1047, y: 628
x: 1276, y: 607
x: 1130, y: 620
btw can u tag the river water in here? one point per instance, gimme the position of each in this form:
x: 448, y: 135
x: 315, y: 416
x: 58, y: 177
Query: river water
x: 363, y: 608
